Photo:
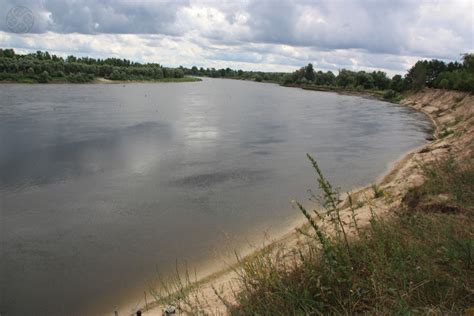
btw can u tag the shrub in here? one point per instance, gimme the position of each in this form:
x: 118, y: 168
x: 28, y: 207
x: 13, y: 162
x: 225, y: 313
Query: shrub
x: 392, y: 95
x: 43, y: 77
x: 444, y: 83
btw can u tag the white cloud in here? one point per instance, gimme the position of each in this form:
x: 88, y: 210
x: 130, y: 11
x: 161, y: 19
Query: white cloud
x: 254, y: 34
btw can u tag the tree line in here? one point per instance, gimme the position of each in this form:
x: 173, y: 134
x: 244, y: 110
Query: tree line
x: 425, y: 73
x: 234, y: 74
x: 44, y: 67
x: 438, y: 74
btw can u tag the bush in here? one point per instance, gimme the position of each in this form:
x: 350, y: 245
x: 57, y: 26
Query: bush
x: 287, y: 79
x: 444, y: 83
x: 43, y: 77
x: 117, y: 75
x: 392, y: 95
x: 80, y: 78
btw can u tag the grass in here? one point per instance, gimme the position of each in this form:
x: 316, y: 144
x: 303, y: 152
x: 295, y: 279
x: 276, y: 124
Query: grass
x: 392, y: 96
x: 419, y: 261
x: 448, y: 183
x: 180, y: 287
x: 445, y: 132
x: 378, y: 191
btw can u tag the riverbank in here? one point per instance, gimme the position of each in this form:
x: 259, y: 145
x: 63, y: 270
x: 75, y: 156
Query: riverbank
x: 184, y: 79
x: 451, y: 112
x: 382, y: 95
x: 99, y: 80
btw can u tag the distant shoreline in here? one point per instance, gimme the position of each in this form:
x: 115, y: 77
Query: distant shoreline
x: 164, y: 80
x: 100, y: 80
x: 371, y: 94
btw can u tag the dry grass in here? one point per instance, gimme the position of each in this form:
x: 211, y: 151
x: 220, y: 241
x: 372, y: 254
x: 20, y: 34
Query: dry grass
x: 421, y: 261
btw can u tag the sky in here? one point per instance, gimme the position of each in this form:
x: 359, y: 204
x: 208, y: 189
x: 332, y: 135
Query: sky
x: 266, y: 35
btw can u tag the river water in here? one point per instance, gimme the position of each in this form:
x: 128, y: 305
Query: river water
x: 102, y: 185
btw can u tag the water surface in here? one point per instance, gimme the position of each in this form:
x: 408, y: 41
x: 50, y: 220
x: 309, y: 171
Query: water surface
x: 102, y: 184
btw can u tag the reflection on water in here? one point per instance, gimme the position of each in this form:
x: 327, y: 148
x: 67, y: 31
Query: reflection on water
x: 52, y: 164
x: 101, y: 184
x: 219, y: 177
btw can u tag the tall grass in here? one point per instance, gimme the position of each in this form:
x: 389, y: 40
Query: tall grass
x: 180, y: 291
x: 417, y: 262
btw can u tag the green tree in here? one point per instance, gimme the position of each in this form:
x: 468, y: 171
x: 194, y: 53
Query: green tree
x: 8, y: 53
x: 397, y: 83
x: 43, y: 77
x: 381, y: 81
x: 287, y: 79
x: 309, y: 72
x: 468, y: 62
x: 444, y: 84
x: 364, y: 80
x: 158, y: 73
x: 345, y: 78
x: 416, y: 76
x: 178, y: 73
x: 433, y: 69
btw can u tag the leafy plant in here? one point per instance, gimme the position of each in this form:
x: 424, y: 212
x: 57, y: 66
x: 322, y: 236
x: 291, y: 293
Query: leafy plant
x: 378, y: 191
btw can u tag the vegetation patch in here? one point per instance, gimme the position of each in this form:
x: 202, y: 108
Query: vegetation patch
x: 378, y: 192
x: 43, y: 67
x: 448, y: 182
x: 419, y: 261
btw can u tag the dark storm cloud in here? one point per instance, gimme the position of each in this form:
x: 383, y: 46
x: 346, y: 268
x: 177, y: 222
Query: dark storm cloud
x: 106, y: 16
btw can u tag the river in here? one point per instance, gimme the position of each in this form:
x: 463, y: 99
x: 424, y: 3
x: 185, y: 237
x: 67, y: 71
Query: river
x: 101, y: 185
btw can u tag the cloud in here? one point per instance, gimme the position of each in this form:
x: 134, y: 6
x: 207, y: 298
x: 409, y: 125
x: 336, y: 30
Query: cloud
x: 105, y: 16
x: 255, y: 34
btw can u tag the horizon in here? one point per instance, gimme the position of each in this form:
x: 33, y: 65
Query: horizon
x: 249, y: 35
